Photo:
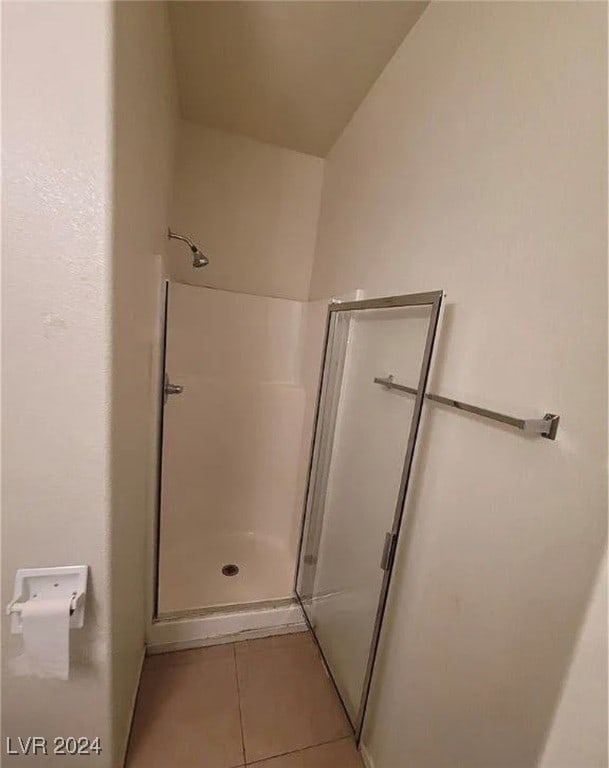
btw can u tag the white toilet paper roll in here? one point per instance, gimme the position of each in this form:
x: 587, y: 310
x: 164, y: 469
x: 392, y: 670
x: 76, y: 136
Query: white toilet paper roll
x: 46, y: 639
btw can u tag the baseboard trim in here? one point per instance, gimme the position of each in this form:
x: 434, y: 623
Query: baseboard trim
x: 214, y: 629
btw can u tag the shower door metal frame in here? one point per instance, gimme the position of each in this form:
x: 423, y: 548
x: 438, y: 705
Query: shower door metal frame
x: 326, y: 402
x: 164, y: 319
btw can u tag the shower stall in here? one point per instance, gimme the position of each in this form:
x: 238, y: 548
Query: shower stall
x: 264, y: 414
x: 231, y: 450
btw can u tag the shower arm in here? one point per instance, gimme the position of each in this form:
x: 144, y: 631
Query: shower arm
x: 173, y: 236
x: 199, y: 259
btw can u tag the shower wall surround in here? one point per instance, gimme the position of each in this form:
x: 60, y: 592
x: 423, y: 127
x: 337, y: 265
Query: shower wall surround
x: 232, y: 447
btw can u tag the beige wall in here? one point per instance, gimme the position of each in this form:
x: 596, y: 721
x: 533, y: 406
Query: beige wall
x: 86, y: 186
x: 56, y: 244
x: 252, y: 207
x: 291, y: 74
x: 573, y: 741
x: 477, y: 164
x: 144, y: 123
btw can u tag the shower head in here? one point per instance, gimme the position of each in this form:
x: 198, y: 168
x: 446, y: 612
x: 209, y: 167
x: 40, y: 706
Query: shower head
x: 199, y: 259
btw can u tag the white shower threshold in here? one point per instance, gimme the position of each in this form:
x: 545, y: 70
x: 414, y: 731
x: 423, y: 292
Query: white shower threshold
x: 247, y: 622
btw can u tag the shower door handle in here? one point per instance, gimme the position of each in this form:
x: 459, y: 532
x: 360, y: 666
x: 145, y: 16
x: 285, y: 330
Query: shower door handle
x: 388, y: 551
x: 171, y: 389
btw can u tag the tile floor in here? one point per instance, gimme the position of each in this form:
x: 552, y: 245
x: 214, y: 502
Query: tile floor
x: 267, y: 703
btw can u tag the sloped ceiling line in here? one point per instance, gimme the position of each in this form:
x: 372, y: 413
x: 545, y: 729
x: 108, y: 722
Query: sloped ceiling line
x: 287, y: 73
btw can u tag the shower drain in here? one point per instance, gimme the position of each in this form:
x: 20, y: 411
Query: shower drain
x: 230, y: 570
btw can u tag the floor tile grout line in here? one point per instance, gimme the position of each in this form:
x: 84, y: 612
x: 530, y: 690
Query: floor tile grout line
x: 163, y: 663
x: 239, y: 702
x: 301, y: 749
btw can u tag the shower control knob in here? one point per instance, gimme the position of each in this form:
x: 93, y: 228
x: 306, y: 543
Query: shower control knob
x: 172, y: 389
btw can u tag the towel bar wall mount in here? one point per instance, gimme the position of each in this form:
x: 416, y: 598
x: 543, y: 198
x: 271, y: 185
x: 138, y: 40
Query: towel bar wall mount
x: 546, y: 427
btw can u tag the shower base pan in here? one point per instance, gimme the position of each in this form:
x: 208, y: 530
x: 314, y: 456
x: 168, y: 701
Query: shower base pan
x: 214, y: 627
x: 223, y: 571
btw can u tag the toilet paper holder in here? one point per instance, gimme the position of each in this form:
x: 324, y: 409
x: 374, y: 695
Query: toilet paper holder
x: 49, y: 583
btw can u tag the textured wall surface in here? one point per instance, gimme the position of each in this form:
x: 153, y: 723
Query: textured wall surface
x: 144, y: 126
x: 570, y: 741
x: 477, y: 164
x: 56, y: 345
x: 88, y: 122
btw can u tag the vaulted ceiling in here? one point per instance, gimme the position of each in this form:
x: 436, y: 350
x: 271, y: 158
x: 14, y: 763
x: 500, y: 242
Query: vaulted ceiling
x: 287, y: 72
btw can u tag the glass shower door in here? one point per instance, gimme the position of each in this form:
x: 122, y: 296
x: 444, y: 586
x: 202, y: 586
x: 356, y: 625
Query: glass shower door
x: 363, y: 448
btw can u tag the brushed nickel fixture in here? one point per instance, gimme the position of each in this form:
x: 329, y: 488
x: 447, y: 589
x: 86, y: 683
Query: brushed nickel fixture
x: 199, y: 259
x: 546, y: 427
